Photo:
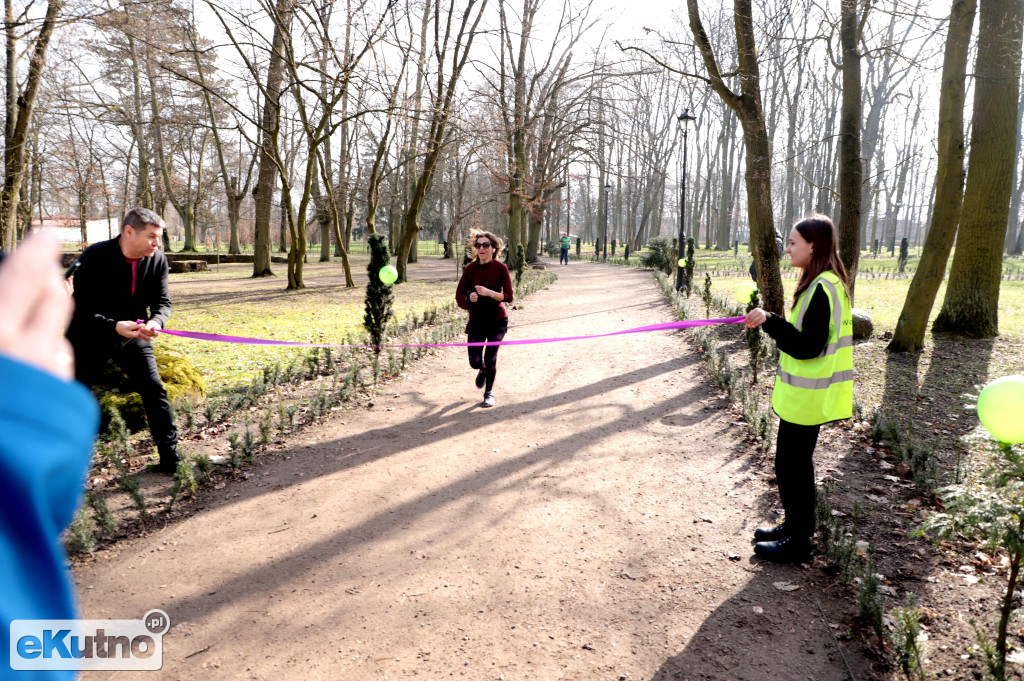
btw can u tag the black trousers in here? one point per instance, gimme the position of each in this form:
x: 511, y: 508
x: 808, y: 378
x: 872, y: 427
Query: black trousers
x: 135, y: 358
x: 794, y: 471
x: 481, y: 357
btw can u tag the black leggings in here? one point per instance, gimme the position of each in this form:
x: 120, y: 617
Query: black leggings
x: 481, y: 357
x: 794, y: 471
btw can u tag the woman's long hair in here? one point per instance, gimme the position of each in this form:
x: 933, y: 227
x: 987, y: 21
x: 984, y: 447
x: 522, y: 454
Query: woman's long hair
x: 496, y: 243
x: 821, y: 233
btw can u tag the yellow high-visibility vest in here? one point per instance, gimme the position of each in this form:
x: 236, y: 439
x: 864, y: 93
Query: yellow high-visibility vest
x: 813, y: 391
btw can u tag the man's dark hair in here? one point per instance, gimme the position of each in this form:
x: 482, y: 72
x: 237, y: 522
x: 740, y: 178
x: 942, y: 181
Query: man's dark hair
x: 138, y: 218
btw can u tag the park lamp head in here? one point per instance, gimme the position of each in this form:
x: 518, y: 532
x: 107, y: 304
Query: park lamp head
x: 685, y: 118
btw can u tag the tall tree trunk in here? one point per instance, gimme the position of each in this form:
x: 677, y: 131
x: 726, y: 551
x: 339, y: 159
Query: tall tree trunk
x: 851, y: 166
x: 971, y: 306
x: 20, y: 107
x: 1018, y: 184
x: 181, y: 205
x: 747, y: 105
x: 143, y: 190
x: 232, y: 194
x: 269, y: 154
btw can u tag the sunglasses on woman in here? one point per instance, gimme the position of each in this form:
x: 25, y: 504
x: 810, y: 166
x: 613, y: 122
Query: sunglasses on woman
x: 483, y: 244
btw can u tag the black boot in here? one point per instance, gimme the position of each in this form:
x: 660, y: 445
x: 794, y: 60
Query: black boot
x: 785, y: 550
x: 480, y: 378
x: 168, y: 459
x: 770, y: 533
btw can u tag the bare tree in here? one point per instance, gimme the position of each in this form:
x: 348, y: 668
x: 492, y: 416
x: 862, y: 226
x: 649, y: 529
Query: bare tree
x: 451, y: 52
x: 20, y: 100
x: 747, y: 105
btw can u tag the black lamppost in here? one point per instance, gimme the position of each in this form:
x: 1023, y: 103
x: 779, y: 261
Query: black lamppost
x: 895, y: 222
x: 684, y: 119
x: 604, y: 241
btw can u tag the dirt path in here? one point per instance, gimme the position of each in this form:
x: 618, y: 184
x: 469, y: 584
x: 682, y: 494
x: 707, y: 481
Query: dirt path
x: 594, y: 525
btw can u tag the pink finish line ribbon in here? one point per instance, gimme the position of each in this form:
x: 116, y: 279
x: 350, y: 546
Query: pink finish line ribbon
x: 666, y: 326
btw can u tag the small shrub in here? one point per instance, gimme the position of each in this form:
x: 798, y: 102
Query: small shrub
x: 102, y: 516
x: 248, y: 445
x: 870, y: 600
x: 235, y: 455
x: 188, y: 415
x: 841, y: 548
x: 266, y: 429
x: 184, y: 483
x: 659, y: 254
x: 313, y: 361
x: 904, y: 637
x: 379, y: 296
x: 706, y: 295
x: 924, y: 467
x: 203, y: 464
x: 318, y: 405
x: 755, y: 341
x: 210, y: 412
x: 688, y: 270
x: 257, y: 388
x: 79, y: 537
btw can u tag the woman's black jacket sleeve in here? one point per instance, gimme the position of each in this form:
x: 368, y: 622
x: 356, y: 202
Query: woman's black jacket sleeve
x: 809, y: 342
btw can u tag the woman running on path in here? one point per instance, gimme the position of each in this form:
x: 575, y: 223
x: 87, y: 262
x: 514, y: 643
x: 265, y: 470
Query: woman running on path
x: 814, y: 384
x: 484, y: 289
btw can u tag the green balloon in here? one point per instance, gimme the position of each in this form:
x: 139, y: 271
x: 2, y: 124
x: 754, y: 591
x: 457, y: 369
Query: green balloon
x: 682, y: 262
x: 388, y: 274
x: 744, y: 292
x: 1001, y: 407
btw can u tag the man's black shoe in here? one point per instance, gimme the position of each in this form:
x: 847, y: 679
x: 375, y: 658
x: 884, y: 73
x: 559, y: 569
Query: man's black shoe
x: 770, y: 533
x: 167, y: 467
x: 785, y: 550
x: 480, y: 378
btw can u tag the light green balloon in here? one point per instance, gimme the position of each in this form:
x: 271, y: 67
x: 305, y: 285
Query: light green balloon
x: 682, y: 262
x: 744, y: 292
x: 388, y: 274
x: 1001, y: 409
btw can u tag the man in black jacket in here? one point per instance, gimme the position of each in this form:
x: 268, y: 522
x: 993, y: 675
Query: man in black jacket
x: 117, y: 283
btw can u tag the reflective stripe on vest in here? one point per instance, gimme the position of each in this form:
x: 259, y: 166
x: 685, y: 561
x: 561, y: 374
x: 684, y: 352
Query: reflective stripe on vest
x: 814, y: 383
x: 819, y: 390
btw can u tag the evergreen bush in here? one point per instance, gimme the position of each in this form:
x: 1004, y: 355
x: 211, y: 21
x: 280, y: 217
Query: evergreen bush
x: 380, y: 297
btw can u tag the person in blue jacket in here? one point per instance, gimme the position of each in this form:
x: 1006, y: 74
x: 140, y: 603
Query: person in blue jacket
x: 47, y: 426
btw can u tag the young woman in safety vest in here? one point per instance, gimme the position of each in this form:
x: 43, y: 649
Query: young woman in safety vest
x: 814, y: 383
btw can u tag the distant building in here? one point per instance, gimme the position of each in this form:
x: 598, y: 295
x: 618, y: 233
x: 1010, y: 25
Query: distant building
x: 69, y: 230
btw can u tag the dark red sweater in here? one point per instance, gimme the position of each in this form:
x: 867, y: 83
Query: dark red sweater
x: 494, y: 275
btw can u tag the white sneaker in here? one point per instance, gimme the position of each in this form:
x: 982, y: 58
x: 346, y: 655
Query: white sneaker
x: 488, y: 400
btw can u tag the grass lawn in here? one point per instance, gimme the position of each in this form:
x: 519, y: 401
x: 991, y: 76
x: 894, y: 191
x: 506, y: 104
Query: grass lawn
x: 929, y: 392
x: 228, y: 301
x: 231, y: 302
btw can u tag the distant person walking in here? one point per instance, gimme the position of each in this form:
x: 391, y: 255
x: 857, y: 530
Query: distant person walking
x: 814, y: 383
x: 565, y: 242
x: 119, y: 282
x: 484, y: 289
